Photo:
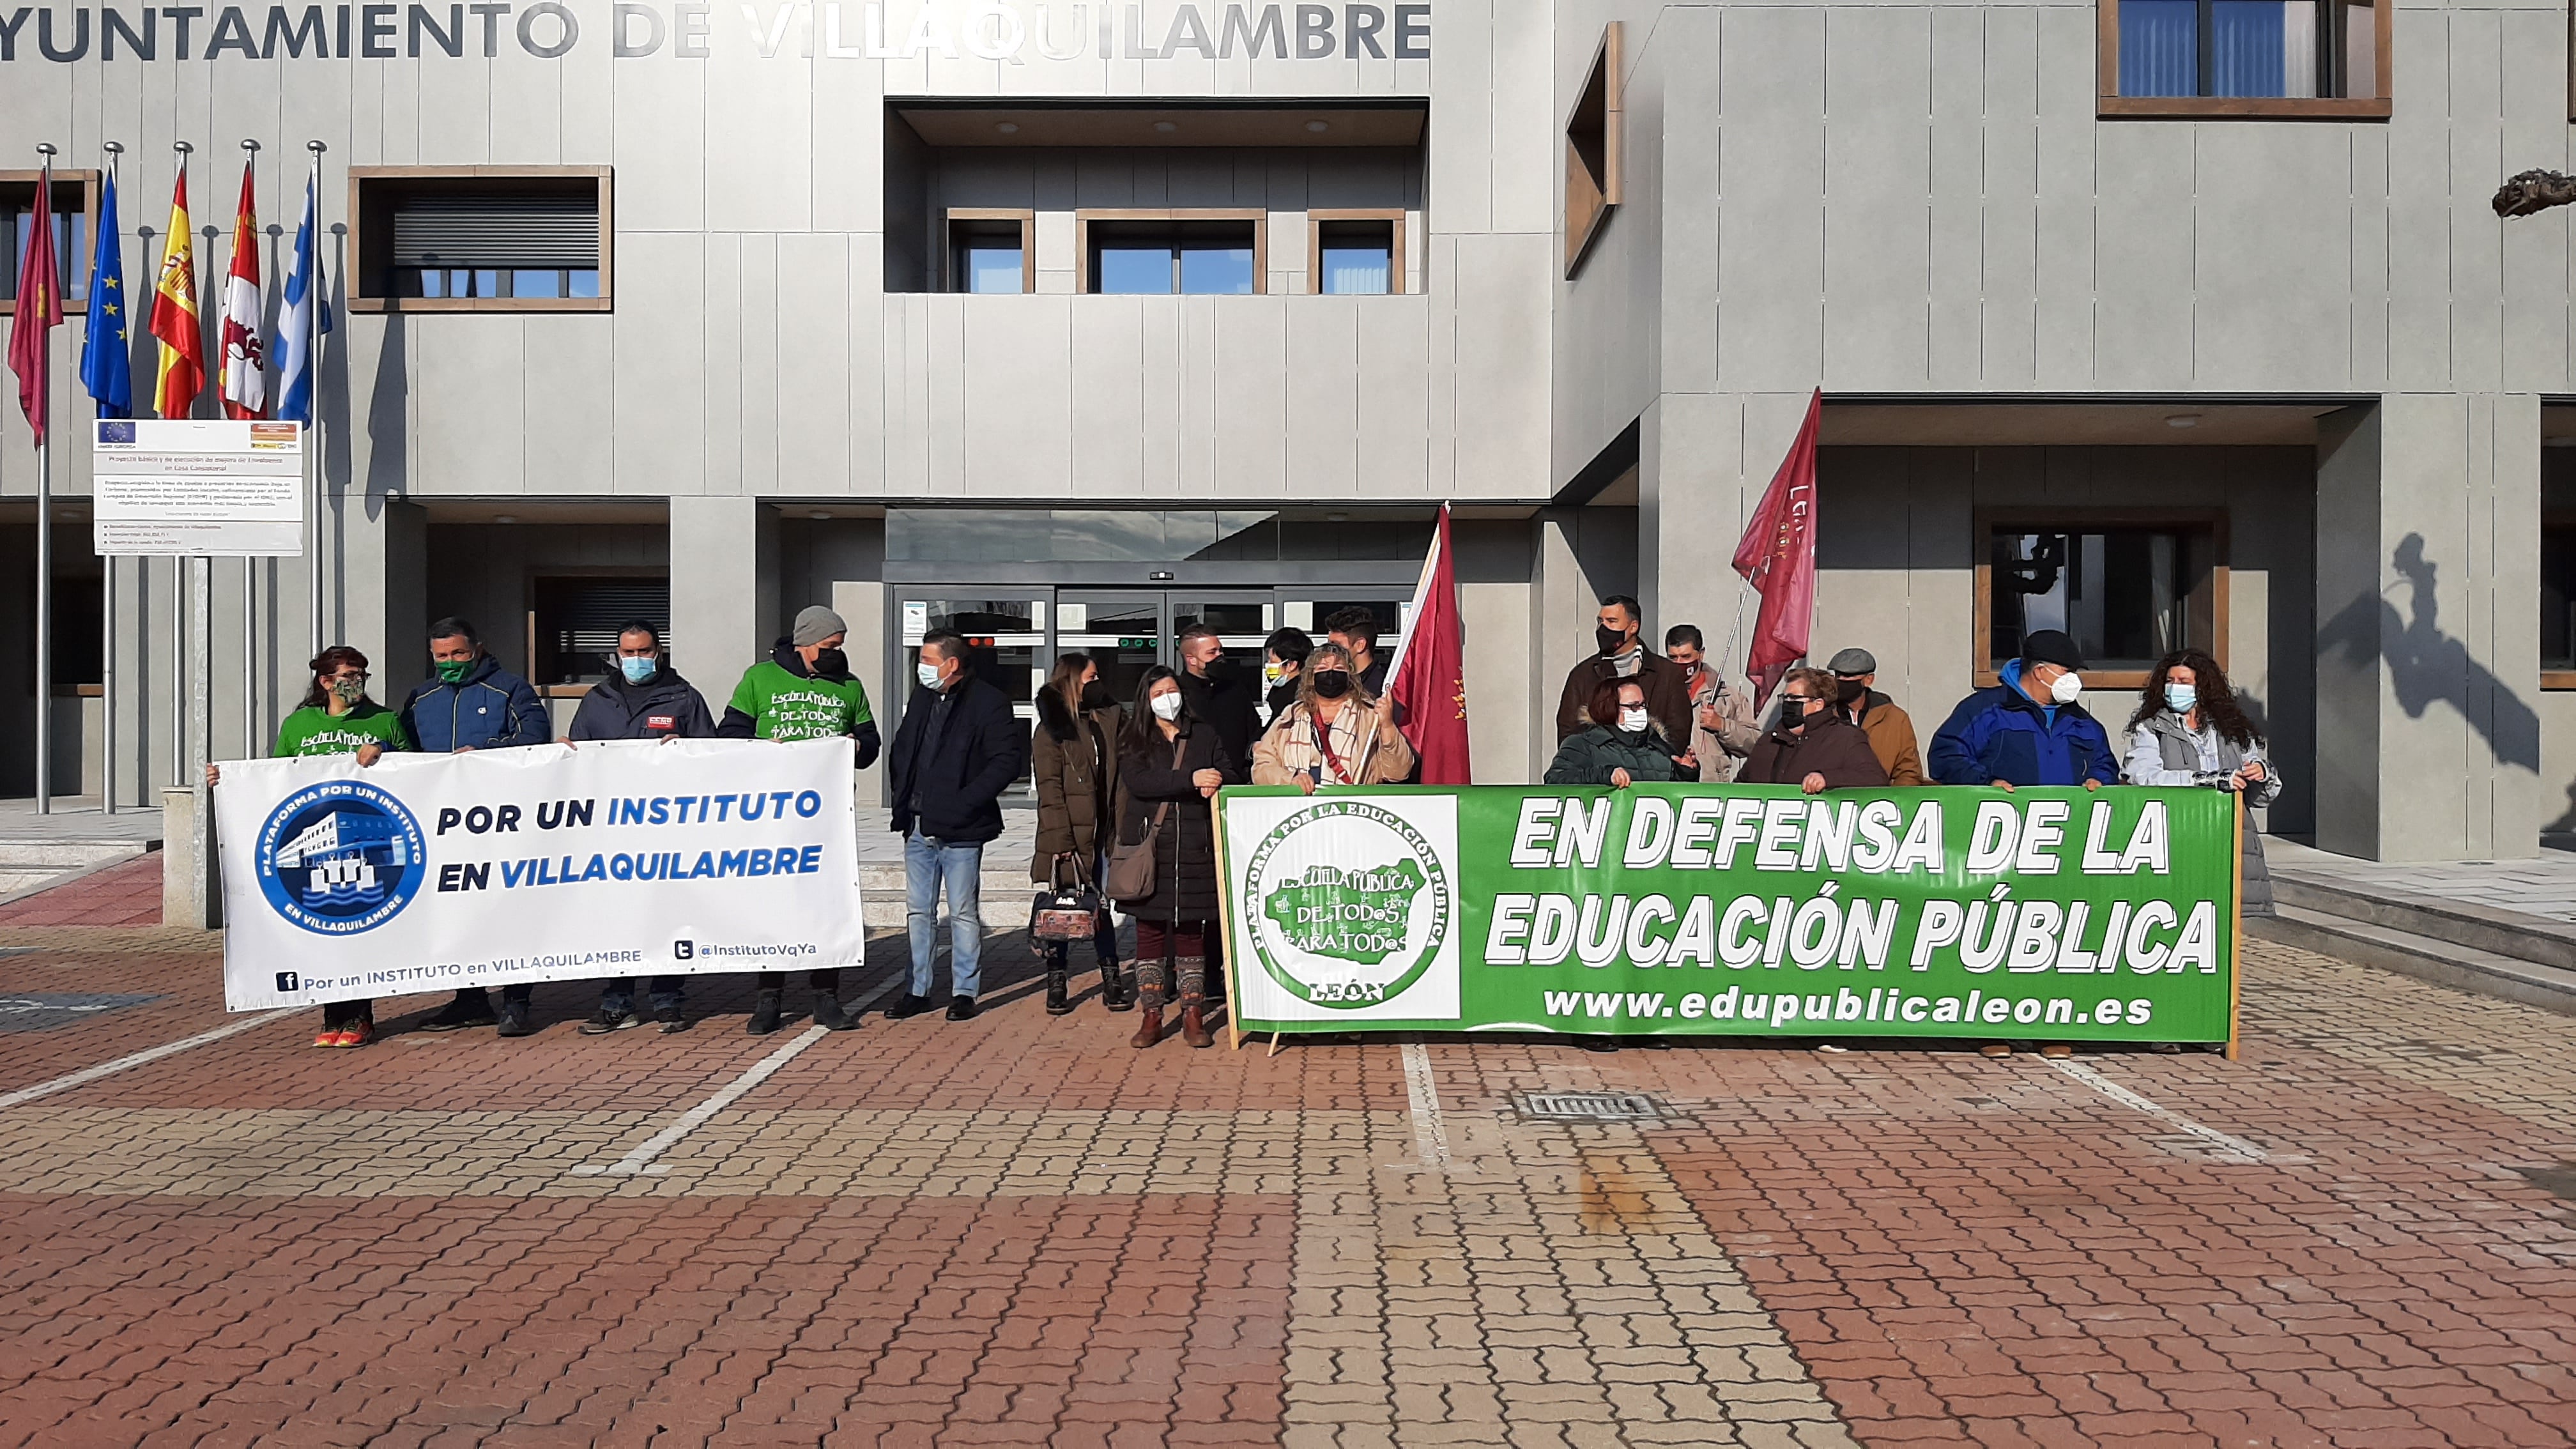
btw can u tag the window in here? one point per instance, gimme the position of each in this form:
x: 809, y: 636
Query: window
x: 991, y: 251
x: 438, y: 239
x: 75, y: 202
x: 2245, y: 57
x: 1592, y: 152
x: 2130, y: 591
x: 1192, y: 253
x: 573, y: 622
x: 1355, y: 253
x: 2558, y: 604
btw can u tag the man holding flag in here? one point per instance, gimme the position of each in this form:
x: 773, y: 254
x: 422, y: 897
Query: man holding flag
x: 174, y: 314
x: 243, y: 381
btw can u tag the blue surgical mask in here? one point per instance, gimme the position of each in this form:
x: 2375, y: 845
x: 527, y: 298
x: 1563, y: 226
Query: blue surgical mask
x: 638, y: 670
x: 929, y: 675
x: 2181, y: 697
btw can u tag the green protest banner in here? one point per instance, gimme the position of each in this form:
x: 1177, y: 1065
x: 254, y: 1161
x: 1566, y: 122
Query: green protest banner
x: 2043, y: 914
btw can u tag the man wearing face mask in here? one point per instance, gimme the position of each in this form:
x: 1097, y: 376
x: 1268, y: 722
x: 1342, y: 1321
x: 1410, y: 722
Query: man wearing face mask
x: 802, y: 691
x: 958, y: 748
x: 645, y: 699
x: 1890, y: 729
x: 1215, y: 695
x: 1624, y: 656
x: 2028, y: 729
x: 1813, y: 746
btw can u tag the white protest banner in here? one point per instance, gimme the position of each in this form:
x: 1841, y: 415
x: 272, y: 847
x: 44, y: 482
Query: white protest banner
x: 548, y: 863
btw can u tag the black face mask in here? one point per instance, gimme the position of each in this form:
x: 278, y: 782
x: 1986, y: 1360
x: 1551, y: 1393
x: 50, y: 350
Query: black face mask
x: 1793, y: 715
x: 831, y: 663
x: 1096, y: 695
x: 1332, y: 683
x: 1849, y: 691
x: 1611, y: 640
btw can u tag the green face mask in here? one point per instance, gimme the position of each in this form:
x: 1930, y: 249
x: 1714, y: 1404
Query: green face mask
x: 454, y: 670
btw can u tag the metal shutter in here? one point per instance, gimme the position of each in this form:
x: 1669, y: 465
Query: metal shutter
x: 464, y: 230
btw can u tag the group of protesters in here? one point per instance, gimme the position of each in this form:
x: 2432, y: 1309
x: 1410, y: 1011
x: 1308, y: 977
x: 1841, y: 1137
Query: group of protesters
x: 1124, y: 787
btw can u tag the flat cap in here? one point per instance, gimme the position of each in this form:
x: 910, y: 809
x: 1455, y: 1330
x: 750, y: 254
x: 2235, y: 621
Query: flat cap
x: 1853, y: 661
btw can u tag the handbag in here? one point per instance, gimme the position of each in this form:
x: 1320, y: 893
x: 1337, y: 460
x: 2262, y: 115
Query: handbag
x: 1063, y: 913
x: 1131, y: 867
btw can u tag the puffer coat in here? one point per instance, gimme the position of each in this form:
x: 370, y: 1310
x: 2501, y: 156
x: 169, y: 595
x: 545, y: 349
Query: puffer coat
x: 1073, y: 777
x: 1185, y: 882
x: 2164, y: 751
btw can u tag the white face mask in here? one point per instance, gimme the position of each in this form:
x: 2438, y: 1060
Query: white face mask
x: 1167, y: 706
x: 929, y: 675
x: 2067, y: 687
x: 1633, y: 720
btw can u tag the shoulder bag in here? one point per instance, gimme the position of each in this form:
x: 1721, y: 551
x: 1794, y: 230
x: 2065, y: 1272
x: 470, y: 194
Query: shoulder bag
x: 1131, y: 867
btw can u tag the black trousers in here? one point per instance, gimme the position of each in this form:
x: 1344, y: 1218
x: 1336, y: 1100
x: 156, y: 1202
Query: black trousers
x: 821, y: 978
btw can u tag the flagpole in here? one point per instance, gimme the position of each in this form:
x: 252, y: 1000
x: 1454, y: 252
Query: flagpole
x: 250, y: 569
x: 45, y: 517
x: 314, y: 302
x: 178, y: 599
x: 107, y: 602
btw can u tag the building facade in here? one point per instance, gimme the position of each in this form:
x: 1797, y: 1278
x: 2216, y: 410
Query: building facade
x: 1069, y: 324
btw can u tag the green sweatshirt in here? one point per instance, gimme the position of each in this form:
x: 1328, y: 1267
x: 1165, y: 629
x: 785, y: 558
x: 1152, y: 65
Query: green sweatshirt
x: 314, y: 730
x: 785, y: 707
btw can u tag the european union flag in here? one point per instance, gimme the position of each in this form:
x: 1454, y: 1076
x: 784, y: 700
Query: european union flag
x: 107, y: 363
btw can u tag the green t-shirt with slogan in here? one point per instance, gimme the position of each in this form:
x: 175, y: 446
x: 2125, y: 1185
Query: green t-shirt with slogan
x: 314, y: 730
x: 784, y: 706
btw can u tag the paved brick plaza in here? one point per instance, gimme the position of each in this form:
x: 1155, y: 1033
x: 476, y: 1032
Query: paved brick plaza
x: 1018, y: 1231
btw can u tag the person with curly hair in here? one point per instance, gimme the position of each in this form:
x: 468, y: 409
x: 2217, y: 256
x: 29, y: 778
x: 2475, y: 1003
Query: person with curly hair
x: 2191, y: 730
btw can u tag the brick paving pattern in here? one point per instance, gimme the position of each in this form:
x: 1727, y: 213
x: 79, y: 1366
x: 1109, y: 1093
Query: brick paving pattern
x: 1018, y: 1231
x: 125, y: 894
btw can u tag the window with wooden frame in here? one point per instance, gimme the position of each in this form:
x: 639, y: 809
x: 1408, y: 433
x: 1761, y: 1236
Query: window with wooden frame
x: 2558, y: 601
x: 75, y: 204
x: 481, y: 238
x: 574, y: 618
x: 1354, y: 252
x: 992, y: 250
x: 1592, y: 187
x: 1193, y: 252
x: 2130, y: 588
x: 2298, y: 59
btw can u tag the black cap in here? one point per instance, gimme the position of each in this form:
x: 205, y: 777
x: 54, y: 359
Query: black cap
x: 2051, y: 646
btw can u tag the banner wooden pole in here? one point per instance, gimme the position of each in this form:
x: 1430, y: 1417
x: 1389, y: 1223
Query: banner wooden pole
x: 2236, y: 937
x: 1225, y: 926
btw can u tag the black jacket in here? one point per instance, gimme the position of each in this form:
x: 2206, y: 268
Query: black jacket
x: 663, y: 707
x: 1185, y: 851
x: 952, y: 786
x: 1227, y: 706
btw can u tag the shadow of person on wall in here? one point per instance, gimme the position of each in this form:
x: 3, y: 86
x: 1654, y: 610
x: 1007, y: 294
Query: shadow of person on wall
x: 2426, y: 666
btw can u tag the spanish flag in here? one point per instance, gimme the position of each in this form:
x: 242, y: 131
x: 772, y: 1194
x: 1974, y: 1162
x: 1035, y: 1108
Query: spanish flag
x: 174, y: 315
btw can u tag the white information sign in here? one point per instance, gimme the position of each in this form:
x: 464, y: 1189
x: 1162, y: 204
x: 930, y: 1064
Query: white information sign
x: 543, y: 863
x: 228, y: 489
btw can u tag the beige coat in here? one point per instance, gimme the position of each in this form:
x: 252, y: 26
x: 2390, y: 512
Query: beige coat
x: 1721, y: 751
x: 1287, y: 750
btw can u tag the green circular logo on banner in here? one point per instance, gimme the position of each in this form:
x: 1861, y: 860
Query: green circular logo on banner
x: 1349, y: 904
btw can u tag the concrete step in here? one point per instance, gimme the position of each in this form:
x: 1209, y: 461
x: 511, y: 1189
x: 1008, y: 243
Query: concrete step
x: 2428, y: 958
x: 2490, y: 929
x: 24, y: 855
x: 1006, y: 894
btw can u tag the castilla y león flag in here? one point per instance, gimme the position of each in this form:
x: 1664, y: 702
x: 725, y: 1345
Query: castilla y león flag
x: 1429, y: 681
x: 1778, y: 557
x: 243, y: 379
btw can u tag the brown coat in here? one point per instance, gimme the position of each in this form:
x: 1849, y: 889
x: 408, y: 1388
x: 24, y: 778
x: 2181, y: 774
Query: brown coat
x: 1668, y: 700
x: 1830, y: 746
x: 1891, y: 738
x: 1073, y: 779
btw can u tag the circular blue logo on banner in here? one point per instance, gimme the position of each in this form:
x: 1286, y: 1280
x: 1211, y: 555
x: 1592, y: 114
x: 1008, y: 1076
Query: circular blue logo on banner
x: 340, y: 857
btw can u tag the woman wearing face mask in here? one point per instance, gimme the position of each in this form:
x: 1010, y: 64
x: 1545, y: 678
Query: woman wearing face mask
x: 1337, y: 733
x: 337, y: 718
x: 1172, y: 765
x: 1622, y: 745
x: 1283, y: 659
x: 1075, y: 755
x: 1811, y: 745
x: 2191, y: 730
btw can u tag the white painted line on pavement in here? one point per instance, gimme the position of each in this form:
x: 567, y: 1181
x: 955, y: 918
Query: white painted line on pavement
x: 639, y: 1163
x: 1422, y: 1093
x: 2236, y: 1147
x: 87, y: 1075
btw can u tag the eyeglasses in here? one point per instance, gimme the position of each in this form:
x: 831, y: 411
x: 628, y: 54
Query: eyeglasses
x: 1798, y: 698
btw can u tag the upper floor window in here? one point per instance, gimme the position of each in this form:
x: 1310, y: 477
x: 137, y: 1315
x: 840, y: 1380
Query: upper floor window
x: 480, y: 238
x: 1355, y: 253
x: 74, y: 197
x: 1592, y: 186
x: 1192, y: 253
x: 2311, y: 58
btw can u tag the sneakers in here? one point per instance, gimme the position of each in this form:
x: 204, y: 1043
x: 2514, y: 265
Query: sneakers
x: 912, y: 1004
x: 2057, y: 1051
x: 605, y: 1021
x: 673, y: 1023
x: 469, y: 1009
x: 356, y: 1034
x: 514, y: 1019
x: 961, y: 1008
x: 331, y: 1036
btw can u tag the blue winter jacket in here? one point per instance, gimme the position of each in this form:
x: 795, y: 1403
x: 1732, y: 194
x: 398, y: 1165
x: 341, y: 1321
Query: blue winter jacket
x: 490, y: 709
x: 1999, y: 734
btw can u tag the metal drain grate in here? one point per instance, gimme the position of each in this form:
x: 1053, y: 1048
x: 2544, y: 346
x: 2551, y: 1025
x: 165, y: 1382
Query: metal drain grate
x: 1588, y: 1107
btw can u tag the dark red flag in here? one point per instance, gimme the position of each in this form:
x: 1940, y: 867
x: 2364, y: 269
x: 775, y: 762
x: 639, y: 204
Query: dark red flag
x: 1778, y: 557
x: 1429, y: 682
x: 40, y: 311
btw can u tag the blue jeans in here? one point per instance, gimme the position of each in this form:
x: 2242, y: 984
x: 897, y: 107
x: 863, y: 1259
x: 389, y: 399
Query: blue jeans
x: 926, y: 863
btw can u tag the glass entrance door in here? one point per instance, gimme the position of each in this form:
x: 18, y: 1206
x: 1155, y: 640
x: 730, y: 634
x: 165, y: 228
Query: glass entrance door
x: 1005, y: 645
x: 1123, y: 633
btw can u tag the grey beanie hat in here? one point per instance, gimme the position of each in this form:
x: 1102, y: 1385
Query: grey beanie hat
x: 814, y: 624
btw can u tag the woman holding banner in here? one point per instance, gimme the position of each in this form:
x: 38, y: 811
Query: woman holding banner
x: 1622, y: 746
x: 337, y: 718
x: 2191, y: 730
x: 1173, y: 764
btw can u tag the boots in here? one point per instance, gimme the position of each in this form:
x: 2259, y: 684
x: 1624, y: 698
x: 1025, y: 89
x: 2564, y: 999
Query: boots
x: 1149, y: 1030
x: 829, y: 1013
x: 1056, y: 968
x: 1194, y: 1002
x: 1116, y: 992
x: 764, y: 1012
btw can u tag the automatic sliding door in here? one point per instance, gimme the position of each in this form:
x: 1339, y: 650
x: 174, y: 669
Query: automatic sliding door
x: 1123, y: 634
x: 1005, y: 646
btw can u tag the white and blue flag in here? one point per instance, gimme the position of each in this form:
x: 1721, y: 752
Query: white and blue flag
x: 304, y: 292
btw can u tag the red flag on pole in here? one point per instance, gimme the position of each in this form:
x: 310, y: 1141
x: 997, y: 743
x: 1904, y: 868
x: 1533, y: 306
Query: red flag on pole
x: 1778, y: 557
x: 40, y: 310
x: 1429, y: 680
